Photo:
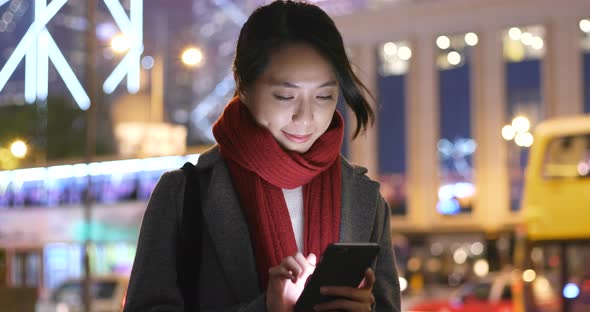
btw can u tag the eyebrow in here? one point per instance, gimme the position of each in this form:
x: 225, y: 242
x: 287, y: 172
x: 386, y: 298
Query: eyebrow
x: 331, y: 83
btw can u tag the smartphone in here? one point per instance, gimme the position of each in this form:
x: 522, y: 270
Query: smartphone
x: 342, y: 264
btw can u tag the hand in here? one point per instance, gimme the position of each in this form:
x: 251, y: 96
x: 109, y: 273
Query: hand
x: 351, y: 299
x: 287, y: 280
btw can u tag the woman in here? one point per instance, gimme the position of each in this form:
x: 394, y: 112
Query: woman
x: 275, y: 190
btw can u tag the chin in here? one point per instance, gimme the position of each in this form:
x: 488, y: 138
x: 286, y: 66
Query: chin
x: 297, y: 148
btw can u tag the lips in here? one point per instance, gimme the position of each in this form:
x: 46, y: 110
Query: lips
x: 297, y: 138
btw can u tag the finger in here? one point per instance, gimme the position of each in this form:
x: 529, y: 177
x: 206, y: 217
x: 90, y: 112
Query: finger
x: 350, y: 293
x: 342, y: 304
x: 292, y: 265
x: 304, y: 263
x: 312, y: 259
x: 280, y: 272
x: 369, y: 279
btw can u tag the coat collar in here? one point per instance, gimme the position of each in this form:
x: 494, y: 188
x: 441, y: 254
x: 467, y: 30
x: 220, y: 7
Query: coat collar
x: 359, y: 202
x: 229, y: 230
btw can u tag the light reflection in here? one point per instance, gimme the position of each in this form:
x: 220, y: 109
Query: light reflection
x: 18, y: 149
x: 529, y: 275
x: 526, y: 38
x: 481, y: 267
x: 443, y: 42
x: 436, y: 249
x: 471, y: 39
x: 460, y: 256
x: 571, y: 291
x: 403, y: 284
x: 508, y: 132
x: 404, y: 53
x: 537, y: 43
x: 454, y: 58
x: 524, y: 139
x: 521, y: 124
x: 477, y: 248
x: 390, y: 48
x: 514, y: 33
x: 583, y: 169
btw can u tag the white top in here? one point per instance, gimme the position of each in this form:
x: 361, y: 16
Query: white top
x: 294, y: 200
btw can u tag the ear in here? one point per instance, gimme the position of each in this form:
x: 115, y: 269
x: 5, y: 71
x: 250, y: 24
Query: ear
x: 242, y: 96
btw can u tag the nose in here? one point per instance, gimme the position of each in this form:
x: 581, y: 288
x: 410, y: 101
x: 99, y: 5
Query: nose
x: 303, y: 113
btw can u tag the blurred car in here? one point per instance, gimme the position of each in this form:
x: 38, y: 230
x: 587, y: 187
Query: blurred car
x: 108, y: 295
x: 490, y: 294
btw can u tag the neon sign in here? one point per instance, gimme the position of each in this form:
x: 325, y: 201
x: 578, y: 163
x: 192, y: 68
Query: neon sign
x: 37, y: 47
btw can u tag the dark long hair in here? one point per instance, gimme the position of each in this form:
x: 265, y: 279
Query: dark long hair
x: 286, y: 22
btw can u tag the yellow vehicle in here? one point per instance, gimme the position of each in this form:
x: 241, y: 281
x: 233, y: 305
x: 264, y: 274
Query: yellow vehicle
x: 554, y: 240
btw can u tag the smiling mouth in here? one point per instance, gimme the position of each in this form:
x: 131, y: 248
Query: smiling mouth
x: 297, y: 138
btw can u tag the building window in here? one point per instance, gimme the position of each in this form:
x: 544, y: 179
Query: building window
x: 524, y: 48
x: 456, y: 146
x: 394, y: 64
x: 24, y: 268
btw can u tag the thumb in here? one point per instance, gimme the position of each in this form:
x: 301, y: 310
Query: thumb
x: 311, y: 258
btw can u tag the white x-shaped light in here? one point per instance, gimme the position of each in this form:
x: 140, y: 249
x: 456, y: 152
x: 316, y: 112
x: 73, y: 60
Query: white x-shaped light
x: 37, y: 47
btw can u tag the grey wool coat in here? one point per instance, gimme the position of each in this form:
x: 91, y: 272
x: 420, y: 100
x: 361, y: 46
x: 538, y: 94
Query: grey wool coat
x: 228, y: 279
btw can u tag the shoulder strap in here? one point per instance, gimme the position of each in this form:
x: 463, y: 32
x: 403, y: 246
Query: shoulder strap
x: 189, y: 248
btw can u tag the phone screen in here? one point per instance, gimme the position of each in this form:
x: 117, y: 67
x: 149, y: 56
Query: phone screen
x: 342, y: 264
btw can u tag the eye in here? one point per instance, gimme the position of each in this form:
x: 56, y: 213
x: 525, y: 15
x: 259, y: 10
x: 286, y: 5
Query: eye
x: 282, y: 98
x: 325, y: 98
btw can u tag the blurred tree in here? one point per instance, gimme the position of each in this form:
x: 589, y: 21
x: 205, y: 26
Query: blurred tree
x: 17, y: 122
x: 54, y: 131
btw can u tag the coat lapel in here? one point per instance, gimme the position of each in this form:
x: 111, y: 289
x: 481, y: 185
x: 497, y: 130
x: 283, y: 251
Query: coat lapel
x: 358, y: 205
x: 229, y: 232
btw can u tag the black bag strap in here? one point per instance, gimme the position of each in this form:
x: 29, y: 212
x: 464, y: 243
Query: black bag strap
x: 188, y: 252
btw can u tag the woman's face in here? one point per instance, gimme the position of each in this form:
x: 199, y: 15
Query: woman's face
x: 295, y: 97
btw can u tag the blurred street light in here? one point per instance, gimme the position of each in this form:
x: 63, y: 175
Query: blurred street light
x: 192, y: 56
x: 12, y: 154
x: 515, y: 33
x: 18, y: 149
x: 390, y: 49
x: 454, y: 58
x: 524, y: 139
x: 443, y: 42
x: 404, y: 53
x: 471, y: 39
x: 518, y: 131
x: 521, y: 124
x: 529, y: 276
x: 508, y: 132
x: 481, y: 267
x: 526, y: 38
x: 119, y: 44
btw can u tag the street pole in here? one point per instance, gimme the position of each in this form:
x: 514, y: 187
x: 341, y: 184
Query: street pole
x: 91, y: 86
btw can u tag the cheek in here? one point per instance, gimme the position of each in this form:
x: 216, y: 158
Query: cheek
x: 274, y: 117
x: 326, y: 118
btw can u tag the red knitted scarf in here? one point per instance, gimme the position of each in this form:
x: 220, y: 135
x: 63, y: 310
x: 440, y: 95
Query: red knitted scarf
x: 260, y: 168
